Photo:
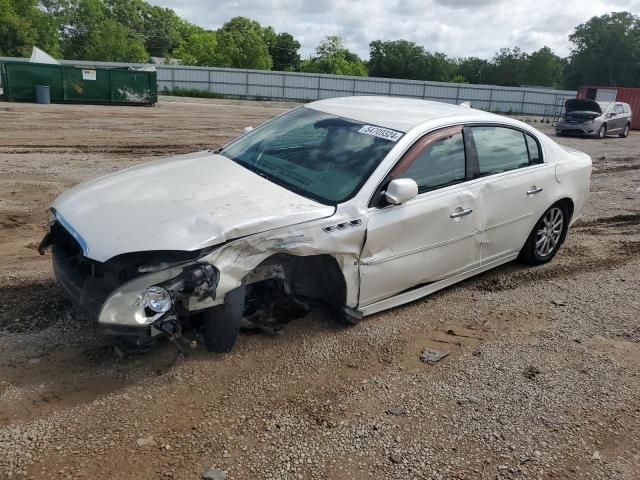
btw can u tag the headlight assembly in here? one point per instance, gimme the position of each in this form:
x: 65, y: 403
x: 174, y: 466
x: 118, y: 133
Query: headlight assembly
x: 157, y: 299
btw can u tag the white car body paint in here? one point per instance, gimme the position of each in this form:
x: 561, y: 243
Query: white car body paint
x: 395, y: 254
x: 180, y: 203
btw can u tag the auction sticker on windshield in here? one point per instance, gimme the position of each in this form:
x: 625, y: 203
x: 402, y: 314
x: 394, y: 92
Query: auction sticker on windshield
x: 385, y: 133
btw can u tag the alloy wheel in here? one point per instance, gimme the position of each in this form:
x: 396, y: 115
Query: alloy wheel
x: 549, y: 235
x: 602, y: 132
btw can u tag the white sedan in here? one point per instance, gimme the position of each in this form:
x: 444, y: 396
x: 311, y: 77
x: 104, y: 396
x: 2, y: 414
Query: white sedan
x: 359, y: 203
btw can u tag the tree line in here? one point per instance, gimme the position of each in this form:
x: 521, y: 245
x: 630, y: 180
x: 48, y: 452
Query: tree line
x: 605, y: 49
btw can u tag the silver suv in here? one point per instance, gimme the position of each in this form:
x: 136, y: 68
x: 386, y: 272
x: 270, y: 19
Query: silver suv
x: 595, y: 119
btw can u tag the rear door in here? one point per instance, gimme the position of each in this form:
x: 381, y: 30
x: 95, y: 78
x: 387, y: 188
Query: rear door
x: 514, y: 185
x: 431, y: 237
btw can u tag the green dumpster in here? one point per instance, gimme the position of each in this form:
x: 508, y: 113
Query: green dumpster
x: 71, y: 84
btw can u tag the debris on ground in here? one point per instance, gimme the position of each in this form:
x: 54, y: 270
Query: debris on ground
x: 532, y: 372
x: 214, y: 474
x: 146, y: 442
x: 431, y: 356
x: 397, y: 411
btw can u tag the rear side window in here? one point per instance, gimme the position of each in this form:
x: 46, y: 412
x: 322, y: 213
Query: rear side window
x: 626, y: 108
x: 438, y: 164
x: 500, y: 149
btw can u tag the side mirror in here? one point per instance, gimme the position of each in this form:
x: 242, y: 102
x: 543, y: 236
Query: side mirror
x: 246, y: 130
x: 612, y: 114
x: 401, y: 190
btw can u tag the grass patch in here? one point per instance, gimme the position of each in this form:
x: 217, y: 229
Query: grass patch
x: 192, y: 92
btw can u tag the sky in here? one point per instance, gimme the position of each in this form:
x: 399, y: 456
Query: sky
x: 458, y: 28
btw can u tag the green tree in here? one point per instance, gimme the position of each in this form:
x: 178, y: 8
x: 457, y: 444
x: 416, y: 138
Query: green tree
x: 23, y: 25
x: 544, y: 68
x: 606, y: 51
x: 113, y: 42
x: 198, y: 49
x: 508, y: 68
x: 332, y: 57
x: 92, y: 33
x: 404, y: 59
x: 474, y: 69
x: 284, y: 52
x: 397, y: 59
x: 161, y: 30
x: 241, y: 45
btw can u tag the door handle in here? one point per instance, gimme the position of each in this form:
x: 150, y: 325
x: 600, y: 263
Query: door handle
x: 533, y: 190
x: 460, y: 212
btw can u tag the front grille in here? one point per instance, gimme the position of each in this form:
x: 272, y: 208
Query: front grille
x: 86, y: 281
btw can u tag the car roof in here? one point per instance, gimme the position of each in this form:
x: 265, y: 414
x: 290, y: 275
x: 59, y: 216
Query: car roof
x: 396, y: 113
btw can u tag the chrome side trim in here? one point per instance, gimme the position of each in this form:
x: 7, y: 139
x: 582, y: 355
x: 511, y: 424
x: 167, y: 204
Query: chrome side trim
x: 374, y: 260
x: 73, y: 232
x: 417, y: 293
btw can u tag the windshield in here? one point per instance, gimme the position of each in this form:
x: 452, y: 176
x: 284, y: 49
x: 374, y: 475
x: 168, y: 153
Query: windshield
x: 315, y: 154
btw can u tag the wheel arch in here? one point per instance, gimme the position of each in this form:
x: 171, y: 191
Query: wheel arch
x: 568, y: 203
x: 317, y: 276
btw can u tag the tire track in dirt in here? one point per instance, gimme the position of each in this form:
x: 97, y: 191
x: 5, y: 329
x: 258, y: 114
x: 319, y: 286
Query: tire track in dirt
x: 574, y: 259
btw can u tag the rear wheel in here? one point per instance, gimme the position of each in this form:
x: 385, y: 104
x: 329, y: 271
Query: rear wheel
x: 546, y: 237
x: 602, y: 132
x: 625, y: 132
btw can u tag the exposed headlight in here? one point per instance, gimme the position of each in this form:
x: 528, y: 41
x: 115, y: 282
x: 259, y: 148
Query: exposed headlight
x: 157, y: 299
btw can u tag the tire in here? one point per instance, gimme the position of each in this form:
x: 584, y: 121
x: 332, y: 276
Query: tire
x: 222, y: 323
x: 536, y: 253
x: 602, y: 131
x: 625, y: 133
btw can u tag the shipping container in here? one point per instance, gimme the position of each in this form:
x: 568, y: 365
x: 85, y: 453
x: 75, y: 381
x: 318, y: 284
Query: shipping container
x: 630, y: 95
x: 75, y: 84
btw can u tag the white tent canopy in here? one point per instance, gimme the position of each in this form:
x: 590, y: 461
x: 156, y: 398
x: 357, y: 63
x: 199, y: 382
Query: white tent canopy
x: 40, y: 56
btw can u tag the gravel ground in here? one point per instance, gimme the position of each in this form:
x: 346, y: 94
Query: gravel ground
x: 541, y: 381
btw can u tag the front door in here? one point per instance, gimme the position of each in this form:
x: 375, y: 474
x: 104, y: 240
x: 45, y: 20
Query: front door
x: 433, y: 236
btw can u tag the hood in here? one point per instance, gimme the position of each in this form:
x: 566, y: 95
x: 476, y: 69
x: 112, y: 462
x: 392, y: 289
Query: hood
x: 184, y: 203
x: 582, y: 105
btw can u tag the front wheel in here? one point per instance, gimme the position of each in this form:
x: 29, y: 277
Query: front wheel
x: 625, y: 132
x: 546, y: 237
x: 222, y: 323
x: 602, y: 132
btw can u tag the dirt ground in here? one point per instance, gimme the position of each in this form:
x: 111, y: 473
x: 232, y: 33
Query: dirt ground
x: 542, y: 380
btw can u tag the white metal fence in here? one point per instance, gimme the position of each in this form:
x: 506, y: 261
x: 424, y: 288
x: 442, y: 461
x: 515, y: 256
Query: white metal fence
x: 307, y: 86
x: 264, y: 84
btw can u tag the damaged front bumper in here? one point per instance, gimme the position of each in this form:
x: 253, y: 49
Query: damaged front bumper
x: 116, y: 292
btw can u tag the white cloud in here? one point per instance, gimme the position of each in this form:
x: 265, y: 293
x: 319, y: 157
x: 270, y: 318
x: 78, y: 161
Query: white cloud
x: 455, y: 27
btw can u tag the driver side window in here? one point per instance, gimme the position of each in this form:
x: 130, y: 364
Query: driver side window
x: 435, y: 161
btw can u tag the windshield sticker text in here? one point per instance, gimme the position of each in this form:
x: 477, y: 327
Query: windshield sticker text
x: 385, y: 133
